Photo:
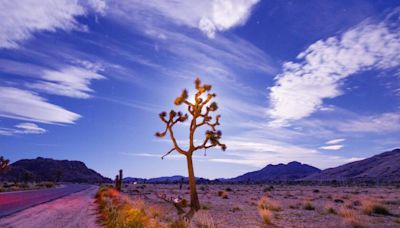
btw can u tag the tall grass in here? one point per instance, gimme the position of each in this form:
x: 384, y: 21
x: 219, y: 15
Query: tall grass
x: 117, y: 210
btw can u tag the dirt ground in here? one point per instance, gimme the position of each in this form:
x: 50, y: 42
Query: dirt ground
x: 75, y: 210
x: 292, y: 206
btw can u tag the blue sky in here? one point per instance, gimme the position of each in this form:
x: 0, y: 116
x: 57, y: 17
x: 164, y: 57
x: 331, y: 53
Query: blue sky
x: 312, y: 81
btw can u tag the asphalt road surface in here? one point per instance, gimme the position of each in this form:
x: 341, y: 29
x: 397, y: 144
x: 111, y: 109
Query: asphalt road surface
x: 76, y: 210
x: 12, y: 202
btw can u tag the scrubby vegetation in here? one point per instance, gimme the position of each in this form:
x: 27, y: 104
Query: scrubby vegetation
x: 20, y: 186
x: 370, y: 208
x: 117, y: 210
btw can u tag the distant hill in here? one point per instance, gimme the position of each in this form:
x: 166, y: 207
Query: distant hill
x: 167, y: 179
x: 281, y: 172
x: 133, y: 179
x: 384, y: 167
x: 47, y: 169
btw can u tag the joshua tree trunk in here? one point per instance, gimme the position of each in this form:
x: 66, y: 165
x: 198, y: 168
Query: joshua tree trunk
x: 194, y: 199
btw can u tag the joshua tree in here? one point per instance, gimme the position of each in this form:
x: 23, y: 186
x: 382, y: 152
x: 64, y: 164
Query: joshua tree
x: 200, y: 115
x: 4, y: 164
x: 118, y: 180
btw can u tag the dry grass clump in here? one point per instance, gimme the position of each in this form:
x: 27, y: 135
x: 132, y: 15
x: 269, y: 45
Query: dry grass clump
x: 235, y: 209
x: 370, y: 208
x: 203, y: 219
x: 117, y: 210
x: 266, y: 216
x: 268, y: 203
x: 350, y: 217
x: 181, y: 223
x: 223, y: 194
x: 265, y: 208
x: 308, y: 206
x: 330, y: 210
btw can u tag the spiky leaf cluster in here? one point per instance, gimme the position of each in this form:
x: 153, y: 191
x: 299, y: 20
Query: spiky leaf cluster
x: 199, y: 111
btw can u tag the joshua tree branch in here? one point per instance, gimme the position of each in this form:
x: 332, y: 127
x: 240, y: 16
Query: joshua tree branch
x: 170, y: 151
x: 171, y: 134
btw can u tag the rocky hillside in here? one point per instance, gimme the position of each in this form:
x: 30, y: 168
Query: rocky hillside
x: 281, y: 172
x: 384, y: 167
x: 46, y: 169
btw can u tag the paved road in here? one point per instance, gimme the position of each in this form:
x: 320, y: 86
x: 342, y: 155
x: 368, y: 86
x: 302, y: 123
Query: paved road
x: 12, y: 202
x: 77, y: 210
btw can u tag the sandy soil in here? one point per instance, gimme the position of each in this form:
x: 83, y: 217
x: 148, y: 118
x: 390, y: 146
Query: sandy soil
x: 240, y: 207
x: 75, y: 210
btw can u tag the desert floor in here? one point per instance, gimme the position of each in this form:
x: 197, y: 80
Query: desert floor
x: 284, y: 206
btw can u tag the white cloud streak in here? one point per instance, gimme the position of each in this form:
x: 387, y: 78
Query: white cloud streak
x: 29, y: 128
x: 331, y: 147
x: 335, y: 141
x: 26, y: 105
x: 20, y: 20
x: 209, y: 16
x: 318, y: 74
x: 71, y: 82
x: 259, y: 152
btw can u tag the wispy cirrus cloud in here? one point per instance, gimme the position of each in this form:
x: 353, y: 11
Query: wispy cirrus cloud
x: 70, y: 81
x: 22, y: 128
x: 382, y: 123
x: 260, y: 151
x: 318, y: 74
x: 27, y: 105
x: 20, y: 20
x: 222, y: 61
x: 209, y: 16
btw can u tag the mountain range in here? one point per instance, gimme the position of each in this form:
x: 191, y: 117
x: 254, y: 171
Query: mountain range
x: 381, y: 168
x: 384, y: 167
x: 281, y: 172
x: 47, y: 169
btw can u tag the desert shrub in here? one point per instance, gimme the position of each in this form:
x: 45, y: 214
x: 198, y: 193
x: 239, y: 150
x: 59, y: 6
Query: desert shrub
x: 339, y: 201
x: 228, y: 189
x: 268, y: 189
x: 117, y: 210
x: 266, y: 216
x: 46, y: 184
x: 316, y: 190
x: 223, y: 194
x: 308, y: 206
x: 346, y: 213
x: 235, y: 209
x: 356, y: 203
x: 370, y: 208
x: 269, y: 204
x: 23, y: 185
x: 203, y: 219
x: 180, y: 223
x: 350, y: 218
x: 331, y: 210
